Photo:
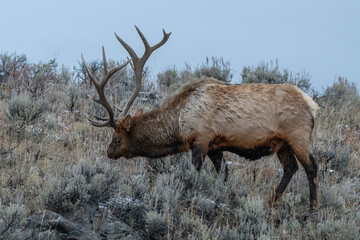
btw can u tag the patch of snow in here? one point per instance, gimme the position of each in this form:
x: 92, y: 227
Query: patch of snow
x: 34, y: 130
x: 234, y: 163
x: 120, y: 201
x: 102, y: 206
x: 219, y: 205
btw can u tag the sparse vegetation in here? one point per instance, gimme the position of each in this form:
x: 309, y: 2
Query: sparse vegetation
x: 171, y: 79
x: 56, y: 183
x: 270, y: 73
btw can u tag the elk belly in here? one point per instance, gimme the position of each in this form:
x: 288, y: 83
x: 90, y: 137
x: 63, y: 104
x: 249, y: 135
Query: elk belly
x: 250, y: 154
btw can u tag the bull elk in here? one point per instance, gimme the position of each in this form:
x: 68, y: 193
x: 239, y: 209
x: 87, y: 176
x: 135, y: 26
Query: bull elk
x: 210, y: 117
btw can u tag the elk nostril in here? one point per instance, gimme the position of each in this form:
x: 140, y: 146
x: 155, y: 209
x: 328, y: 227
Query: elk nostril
x: 109, y: 153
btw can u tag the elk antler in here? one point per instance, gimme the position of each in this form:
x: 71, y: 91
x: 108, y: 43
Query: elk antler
x: 110, y: 122
x: 138, y: 63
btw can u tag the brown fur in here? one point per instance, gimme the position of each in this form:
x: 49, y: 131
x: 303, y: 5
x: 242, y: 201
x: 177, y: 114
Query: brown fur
x: 209, y: 116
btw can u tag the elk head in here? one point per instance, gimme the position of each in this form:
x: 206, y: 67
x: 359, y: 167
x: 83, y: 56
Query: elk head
x: 120, y: 144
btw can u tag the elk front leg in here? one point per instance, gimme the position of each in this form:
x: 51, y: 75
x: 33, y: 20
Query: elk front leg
x: 198, y: 153
x: 217, y: 158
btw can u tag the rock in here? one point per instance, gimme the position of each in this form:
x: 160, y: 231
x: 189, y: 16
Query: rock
x: 129, y: 210
x: 50, y: 225
x: 115, y: 230
x: 84, y: 222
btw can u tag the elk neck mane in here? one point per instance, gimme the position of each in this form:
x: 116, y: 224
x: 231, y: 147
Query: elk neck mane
x: 158, y: 130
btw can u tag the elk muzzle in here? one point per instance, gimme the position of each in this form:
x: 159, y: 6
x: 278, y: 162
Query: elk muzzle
x: 111, y: 151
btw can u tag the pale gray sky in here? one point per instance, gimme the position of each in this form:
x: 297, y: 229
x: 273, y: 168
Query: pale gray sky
x: 321, y: 37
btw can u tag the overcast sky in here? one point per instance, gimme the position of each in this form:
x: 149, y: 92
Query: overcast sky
x: 321, y: 37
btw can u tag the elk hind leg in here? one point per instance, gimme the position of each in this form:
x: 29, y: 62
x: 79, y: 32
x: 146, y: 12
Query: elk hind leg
x: 311, y: 168
x: 287, y: 159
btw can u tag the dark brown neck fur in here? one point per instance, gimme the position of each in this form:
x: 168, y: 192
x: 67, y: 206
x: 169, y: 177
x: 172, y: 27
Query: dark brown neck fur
x: 156, y: 134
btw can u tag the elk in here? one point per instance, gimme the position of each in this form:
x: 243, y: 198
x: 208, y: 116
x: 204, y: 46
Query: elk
x: 209, y: 117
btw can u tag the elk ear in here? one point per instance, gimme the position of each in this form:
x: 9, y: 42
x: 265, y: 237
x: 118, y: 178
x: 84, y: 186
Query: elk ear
x: 127, y: 123
x: 138, y: 113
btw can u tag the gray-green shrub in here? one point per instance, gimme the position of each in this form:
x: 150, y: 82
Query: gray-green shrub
x: 25, y: 109
x: 84, y: 181
x: 218, y: 68
x: 270, y: 73
x: 11, y: 216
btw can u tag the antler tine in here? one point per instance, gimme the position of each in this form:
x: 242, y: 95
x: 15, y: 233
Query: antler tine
x: 97, y: 124
x: 163, y: 41
x: 146, y: 44
x: 138, y: 63
x: 110, y: 122
x: 114, y: 70
x: 91, y: 76
x: 104, y: 61
x: 148, y: 49
x: 99, y: 118
x: 127, y: 47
